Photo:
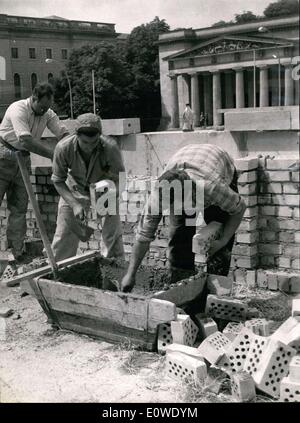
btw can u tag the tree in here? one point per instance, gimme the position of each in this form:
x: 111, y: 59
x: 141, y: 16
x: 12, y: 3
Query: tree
x: 246, y: 16
x: 142, y: 55
x: 282, y: 8
x: 221, y: 23
x: 113, y: 78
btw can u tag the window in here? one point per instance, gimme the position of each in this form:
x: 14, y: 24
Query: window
x: 32, y: 54
x: 14, y: 53
x: 48, y: 53
x: 17, y: 85
x: 33, y: 80
x: 64, y: 54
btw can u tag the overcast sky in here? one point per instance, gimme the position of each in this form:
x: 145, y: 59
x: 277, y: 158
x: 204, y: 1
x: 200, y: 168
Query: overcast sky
x: 127, y: 14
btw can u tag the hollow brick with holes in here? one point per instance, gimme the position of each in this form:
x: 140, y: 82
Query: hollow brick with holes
x: 243, y: 387
x: 294, y: 370
x: 257, y: 347
x: 226, y: 308
x: 206, y: 325
x: 259, y: 326
x: 273, y: 367
x: 236, y: 354
x: 184, y: 330
x: 184, y: 368
x: 164, y: 337
x: 214, y: 347
x: 289, y: 390
x: 232, y: 329
x: 184, y: 349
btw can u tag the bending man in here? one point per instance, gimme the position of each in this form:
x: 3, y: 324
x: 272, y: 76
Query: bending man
x: 211, y: 168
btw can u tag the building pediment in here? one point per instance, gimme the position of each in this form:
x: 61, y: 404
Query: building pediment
x: 227, y: 45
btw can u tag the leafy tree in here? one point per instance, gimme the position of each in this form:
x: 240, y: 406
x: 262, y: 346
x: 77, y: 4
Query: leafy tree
x: 246, y: 16
x: 282, y: 8
x: 221, y: 23
x: 142, y: 56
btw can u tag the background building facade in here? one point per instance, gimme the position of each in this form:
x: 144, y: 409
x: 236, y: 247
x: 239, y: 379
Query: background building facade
x: 26, y: 43
x: 229, y: 68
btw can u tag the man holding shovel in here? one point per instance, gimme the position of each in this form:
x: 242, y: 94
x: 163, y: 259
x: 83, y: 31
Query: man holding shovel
x: 79, y: 161
x: 211, y: 169
x: 21, y: 130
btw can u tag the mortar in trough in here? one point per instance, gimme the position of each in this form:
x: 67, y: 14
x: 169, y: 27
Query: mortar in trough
x: 78, y: 301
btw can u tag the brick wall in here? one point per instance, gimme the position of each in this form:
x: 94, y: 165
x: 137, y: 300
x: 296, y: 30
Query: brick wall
x: 268, y: 237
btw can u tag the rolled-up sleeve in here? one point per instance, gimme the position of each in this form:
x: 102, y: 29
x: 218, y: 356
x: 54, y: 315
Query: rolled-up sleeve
x: 59, y: 166
x: 55, y: 125
x: 19, y: 120
x: 221, y: 195
x: 148, y: 224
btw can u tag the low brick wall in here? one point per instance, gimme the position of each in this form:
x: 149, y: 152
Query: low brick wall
x: 268, y: 238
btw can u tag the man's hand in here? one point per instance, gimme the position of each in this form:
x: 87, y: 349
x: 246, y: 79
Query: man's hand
x: 215, y: 246
x: 78, y: 211
x: 127, y: 283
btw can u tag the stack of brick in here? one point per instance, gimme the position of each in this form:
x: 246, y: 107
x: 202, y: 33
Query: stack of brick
x: 290, y: 385
x: 244, y: 254
x: 279, y: 214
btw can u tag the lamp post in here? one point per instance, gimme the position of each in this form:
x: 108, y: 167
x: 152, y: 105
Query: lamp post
x: 263, y: 29
x: 69, y: 84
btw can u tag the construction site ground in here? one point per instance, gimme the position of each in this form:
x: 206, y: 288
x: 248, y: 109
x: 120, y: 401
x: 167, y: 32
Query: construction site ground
x: 41, y: 364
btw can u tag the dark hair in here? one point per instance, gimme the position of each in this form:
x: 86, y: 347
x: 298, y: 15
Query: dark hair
x: 170, y: 175
x: 42, y: 90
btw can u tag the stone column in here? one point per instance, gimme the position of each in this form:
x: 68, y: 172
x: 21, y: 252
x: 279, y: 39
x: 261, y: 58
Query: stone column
x: 263, y: 86
x: 250, y: 80
x: 217, y: 100
x: 288, y: 85
x: 174, y: 102
x: 183, y: 94
x: 274, y: 85
x: 195, y: 100
x: 296, y: 84
x: 239, y: 88
x: 229, y: 93
x: 207, y: 88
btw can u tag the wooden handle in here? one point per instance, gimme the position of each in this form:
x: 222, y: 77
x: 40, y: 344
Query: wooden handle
x: 40, y: 223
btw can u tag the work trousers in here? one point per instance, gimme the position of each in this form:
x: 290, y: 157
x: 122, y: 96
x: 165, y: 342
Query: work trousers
x: 11, y: 184
x: 65, y: 242
x: 181, y: 256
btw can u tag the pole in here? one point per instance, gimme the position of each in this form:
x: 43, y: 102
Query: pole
x: 36, y: 210
x: 70, y: 94
x: 279, y: 81
x: 254, y: 78
x: 94, y: 96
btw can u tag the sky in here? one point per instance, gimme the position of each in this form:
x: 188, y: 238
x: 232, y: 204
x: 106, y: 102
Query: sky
x: 127, y: 14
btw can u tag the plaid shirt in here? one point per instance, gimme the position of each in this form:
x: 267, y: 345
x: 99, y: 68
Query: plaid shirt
x: 208, y: 163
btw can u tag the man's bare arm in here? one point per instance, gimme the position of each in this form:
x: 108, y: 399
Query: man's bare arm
x: 67, y: 195
x: 36, y: 147
x: 138, y: 253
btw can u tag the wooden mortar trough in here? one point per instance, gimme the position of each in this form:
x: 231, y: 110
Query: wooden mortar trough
x: 77, y: 302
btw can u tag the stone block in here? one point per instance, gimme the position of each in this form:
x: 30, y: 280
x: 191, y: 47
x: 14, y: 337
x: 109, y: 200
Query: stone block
x: 164, y: 337
x: 219, y: 285
x: 232, y: 329
x: 206, y: 325
x: 184, y: 330
x: 250, y: 200
x: 246, y: 164
x: 294, y: 371
x: 296, y: 307
x: 281, y: 163
x: 234, y: 358
x: 184, y: 349
x: 226, y: 308
x: 121, y: 126
x: 251, y: 278
x: 247, y: 189
x: 273, y: 367
x: 202, y: 240
x: 295, y: 284
x: 243, y: 387
x: 247, y: 237
x: 259, y: 326
x: 214, y: 347
x: 181, y: 367
x: 289, y: 390
x: 247, y: 177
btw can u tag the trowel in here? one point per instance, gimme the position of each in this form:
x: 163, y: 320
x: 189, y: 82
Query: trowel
x: 80, y: 228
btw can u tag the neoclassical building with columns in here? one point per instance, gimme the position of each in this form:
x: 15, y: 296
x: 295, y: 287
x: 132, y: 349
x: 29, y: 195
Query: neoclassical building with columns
x: 240, y: 76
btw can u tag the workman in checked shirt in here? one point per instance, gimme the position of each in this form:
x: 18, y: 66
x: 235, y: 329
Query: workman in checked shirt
x: 211, y: 168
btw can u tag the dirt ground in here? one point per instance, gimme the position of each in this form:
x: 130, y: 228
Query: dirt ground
x: 39, y: 364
